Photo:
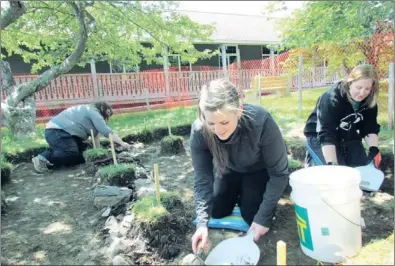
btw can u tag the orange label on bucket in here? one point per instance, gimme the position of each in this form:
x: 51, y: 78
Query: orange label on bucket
x: 302, y: 221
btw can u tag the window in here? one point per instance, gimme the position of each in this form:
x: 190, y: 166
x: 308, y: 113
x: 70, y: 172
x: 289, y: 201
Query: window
x: 231, y: 50
x: 231, y: 55
x: 265, y: 52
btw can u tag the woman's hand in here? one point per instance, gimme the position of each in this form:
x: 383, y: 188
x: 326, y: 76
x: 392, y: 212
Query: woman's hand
x: 119, y: 141
x: 260, y: 230
x: 201, y: 234
x: 126, y: 145
x: 375, y: 156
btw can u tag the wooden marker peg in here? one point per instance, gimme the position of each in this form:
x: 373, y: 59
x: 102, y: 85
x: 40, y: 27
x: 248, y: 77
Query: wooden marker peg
x: 281, y: 253
x: 114, y: 157
x: 93, y: 139
x: 156, y: 176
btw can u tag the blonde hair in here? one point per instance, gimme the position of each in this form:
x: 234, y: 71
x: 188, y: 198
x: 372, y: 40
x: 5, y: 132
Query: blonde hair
x: 364, y: 71
x: 217, y: 95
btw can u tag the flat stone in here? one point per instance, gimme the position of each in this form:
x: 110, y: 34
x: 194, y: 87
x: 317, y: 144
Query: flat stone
x: 112, y: 226
x: 115, y: 248
x: 126, y: 224
x: 121, y: 260
x: 107, y: 212
x: 106, y: 191
x: 110, y: 201
x: 191, y: 259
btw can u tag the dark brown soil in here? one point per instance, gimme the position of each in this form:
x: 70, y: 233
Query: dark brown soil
x: 49, y: 218
x: 165, y: 237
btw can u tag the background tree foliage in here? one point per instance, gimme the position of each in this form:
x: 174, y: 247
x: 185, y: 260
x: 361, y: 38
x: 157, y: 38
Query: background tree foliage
x: 46, y: 33
x: 57, y: 35
x: 341, y: 32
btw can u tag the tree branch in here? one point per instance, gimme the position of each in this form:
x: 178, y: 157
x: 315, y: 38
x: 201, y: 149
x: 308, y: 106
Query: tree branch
x: 92, y: 20
x: 16, y: 10
x: 28, y: 89
x: 141, y: 27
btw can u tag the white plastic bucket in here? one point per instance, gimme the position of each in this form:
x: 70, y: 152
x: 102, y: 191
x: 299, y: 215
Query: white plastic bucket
x: 328, y: 212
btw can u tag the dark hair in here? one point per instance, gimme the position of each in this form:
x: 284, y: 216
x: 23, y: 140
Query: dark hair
x: 105, y: 109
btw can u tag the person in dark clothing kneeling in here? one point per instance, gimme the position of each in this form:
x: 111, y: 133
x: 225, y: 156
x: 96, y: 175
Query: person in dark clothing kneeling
x: 67, y: 132
x: 344, y: 115
x: 239, y: 156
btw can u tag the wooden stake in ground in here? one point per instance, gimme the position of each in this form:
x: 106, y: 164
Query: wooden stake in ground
x: 168, y: 127
x: 93, y: 139
x: 156, y: 176
x: 281, y: 253
x: 114, y: 157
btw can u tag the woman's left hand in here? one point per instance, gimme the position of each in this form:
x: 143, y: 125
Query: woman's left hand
x: 375, y: 156
x: 260, y: 230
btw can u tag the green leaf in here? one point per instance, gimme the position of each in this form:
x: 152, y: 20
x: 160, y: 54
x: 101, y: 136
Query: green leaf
x: 45, y: 34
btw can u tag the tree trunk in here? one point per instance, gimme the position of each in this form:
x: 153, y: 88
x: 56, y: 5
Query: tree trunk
x: 19, y: 108
x: 21, y: 120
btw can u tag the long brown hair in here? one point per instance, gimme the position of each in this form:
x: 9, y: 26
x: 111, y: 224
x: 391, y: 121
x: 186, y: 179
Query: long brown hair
x: 218, y: 94
x: 105, y: 109
x: 364, y: 71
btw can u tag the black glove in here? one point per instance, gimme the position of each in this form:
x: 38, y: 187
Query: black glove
x: 374, y: 155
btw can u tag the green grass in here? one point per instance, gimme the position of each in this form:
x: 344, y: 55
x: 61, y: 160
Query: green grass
x: 109, y: 171
x: 125, y: 124
x: 377, y: 252
x: 294, y: 164
x: 95, y: 154
x: 283, y: 109
x: 4, y: 164
x: 13, y: 145
x: 148, y: 210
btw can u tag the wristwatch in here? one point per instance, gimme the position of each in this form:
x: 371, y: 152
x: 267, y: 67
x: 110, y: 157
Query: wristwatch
x: 332, y: 163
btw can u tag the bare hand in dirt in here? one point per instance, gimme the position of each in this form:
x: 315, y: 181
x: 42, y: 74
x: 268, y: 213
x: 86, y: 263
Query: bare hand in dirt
x: 126, y: 145
x: 201, y: 235
x: 260, y: 230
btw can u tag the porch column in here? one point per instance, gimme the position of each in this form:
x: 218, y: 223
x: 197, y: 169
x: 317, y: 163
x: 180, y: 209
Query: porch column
x: 223, y: 57
x: 272, y: 62
x: 238, y: 58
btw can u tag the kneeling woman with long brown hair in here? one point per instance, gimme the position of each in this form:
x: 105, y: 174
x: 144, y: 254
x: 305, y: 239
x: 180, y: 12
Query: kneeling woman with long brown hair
x: 66, y: 132
x: 239, y: 157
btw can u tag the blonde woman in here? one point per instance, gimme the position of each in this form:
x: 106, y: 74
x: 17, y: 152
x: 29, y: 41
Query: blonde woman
x: 239, y: 157
x: 345, y: 114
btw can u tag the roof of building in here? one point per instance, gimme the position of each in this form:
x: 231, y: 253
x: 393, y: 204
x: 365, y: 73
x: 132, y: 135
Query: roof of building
x: 237, y: 28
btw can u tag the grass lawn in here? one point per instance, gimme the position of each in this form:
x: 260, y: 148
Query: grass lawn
x: 284, y: 110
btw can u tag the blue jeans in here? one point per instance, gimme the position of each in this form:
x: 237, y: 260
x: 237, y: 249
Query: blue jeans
x: 64, y: 149
x: 351, y: 153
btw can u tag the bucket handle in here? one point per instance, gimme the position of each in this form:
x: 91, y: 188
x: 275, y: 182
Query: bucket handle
x: 359, y: 225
